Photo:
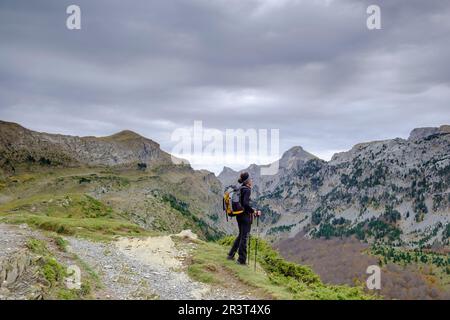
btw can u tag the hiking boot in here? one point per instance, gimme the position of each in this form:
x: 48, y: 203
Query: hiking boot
x: 241, y: 263
x: 230, y: 258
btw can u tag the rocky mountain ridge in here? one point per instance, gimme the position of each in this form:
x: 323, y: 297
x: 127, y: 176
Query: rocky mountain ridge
x: 395, y: 191
x: 19, y: 145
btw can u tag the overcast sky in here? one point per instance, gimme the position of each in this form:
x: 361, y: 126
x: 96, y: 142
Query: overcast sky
x: 310, y: 68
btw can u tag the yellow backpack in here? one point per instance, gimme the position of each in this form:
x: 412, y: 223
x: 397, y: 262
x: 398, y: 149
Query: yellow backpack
x: 232, y: 201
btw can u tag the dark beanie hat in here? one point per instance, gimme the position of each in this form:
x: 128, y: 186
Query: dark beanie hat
x: 244, y: 177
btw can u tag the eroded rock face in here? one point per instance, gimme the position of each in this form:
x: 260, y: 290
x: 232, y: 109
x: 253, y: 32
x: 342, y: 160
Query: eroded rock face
x: 19, y: 277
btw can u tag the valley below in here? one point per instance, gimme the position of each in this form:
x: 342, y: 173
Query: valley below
x: 344, y: 261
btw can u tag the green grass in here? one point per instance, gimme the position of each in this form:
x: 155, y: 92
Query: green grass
x: 54, y: 273
x: 61, y: 243
x: 72, y: 214
x: 209, y: 257
x: 68, y: 206
x: 37, y: 246
x: 275, y: 276
x: 83, y: 215
x: 50, y: 269
x: 64, y: 193
x: 97, y: 229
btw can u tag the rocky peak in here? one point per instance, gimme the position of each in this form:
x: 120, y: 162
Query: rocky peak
x: 228, y: 176
x: 295, y: 151
x: 422, y: 133
x: 129, y: 137
x: 299, y: 152
x: 294, y: 156
x: 226, y: 170
x: 124, y: 136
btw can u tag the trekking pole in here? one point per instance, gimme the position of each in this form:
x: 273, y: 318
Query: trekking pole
x: 249, y: 248
x: 256, y: 239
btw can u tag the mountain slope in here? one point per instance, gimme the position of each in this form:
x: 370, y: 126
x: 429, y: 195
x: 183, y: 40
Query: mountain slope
x: 395, y: 191
x: 22, y: 146
x: 125, y: 172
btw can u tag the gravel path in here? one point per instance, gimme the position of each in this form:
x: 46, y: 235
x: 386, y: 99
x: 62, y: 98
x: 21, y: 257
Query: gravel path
x: 14, y: 238
x: 130, y: 268
x: 126, y: 275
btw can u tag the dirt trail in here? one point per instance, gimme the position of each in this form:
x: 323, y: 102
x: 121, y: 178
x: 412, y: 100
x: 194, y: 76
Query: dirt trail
x: 129, y: 268
x: 159, y: 252
x: 149, y: 268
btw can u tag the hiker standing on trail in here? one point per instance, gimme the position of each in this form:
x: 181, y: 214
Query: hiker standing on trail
x: 244, y: 220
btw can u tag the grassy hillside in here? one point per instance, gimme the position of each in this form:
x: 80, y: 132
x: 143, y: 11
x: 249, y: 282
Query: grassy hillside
x: 274, y: 278
x: 71, y: 214
x: 101, y: 202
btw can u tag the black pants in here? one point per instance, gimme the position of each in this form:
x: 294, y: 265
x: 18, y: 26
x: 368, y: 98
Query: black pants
x: 240, y: 244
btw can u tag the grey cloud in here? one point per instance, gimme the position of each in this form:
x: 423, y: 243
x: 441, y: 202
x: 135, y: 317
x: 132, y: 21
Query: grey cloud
x: 310, y: 68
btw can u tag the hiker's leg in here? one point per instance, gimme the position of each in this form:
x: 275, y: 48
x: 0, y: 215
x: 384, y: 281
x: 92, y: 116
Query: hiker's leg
x: 244, y: 238
x: 236, y: 243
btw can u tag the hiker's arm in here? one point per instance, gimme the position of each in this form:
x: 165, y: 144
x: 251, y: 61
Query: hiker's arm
x: 246, y: 201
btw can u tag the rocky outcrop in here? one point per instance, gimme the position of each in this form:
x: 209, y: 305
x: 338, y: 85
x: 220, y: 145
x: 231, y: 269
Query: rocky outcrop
x: 19, y: 277
x: 12, y: 269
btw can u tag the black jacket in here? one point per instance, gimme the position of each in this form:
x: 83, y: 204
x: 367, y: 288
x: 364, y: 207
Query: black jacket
x: 245, y: 199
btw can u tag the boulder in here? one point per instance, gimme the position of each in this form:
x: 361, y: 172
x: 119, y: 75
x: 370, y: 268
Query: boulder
x: 187, y: 234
